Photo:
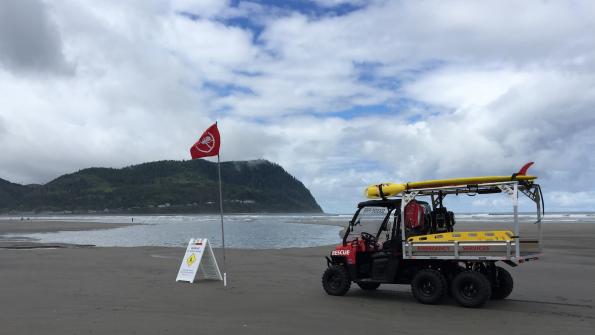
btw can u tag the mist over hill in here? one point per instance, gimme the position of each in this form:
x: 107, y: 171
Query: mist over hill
x: 165, y: 187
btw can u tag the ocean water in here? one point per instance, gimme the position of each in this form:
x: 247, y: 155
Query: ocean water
x: 241, y: 231
x: 527, y: 217
x: 249, y: 231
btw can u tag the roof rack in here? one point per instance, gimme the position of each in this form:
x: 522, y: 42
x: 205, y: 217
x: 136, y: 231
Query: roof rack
x: 513, y: 250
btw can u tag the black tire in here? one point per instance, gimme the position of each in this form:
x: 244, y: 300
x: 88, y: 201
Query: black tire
x: 451, y: 275
x: 366, y: 286
x: 335, y: 280
x: 428, y: 286
x: 471, y: 289
x: 503, y: 284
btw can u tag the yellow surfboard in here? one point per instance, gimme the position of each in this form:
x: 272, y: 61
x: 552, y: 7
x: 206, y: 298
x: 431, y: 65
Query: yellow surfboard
x: 392, y: 189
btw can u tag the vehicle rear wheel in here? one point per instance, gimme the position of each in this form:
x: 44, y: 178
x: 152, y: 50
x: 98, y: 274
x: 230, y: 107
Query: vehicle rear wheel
x: 366, y: 286
x: 471, y: 289
x: 335, y: 280
x: 428, y: 286
x: 503, y: 285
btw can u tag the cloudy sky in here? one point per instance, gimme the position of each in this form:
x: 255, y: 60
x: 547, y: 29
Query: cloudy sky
x: 342, y: 93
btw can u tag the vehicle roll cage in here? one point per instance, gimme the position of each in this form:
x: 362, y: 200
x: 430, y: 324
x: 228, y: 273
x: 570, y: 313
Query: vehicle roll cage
x: 437, y: 195
x: 511, y: 188
x: 389, y: 203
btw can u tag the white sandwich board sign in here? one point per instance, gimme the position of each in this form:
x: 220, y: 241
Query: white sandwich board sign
x: 199, y: 261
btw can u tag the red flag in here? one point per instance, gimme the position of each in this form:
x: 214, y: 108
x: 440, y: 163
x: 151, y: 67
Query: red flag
x: 208, y: 144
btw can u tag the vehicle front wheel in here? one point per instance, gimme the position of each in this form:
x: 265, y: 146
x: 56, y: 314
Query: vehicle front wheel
x: 471, y: 289
x: 503, y: 285
x: 428, y: 286
x: 335, y: 280
x: 368, y: 286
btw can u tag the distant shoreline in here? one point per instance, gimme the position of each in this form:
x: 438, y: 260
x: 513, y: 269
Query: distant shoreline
x: 133, y: 214
x: 33, y: 215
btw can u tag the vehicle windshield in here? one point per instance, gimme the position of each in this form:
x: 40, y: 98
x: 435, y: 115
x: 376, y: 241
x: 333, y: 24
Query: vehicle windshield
x: 368, y: 220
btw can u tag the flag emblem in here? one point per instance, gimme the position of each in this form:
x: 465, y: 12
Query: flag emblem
x: 208, y: 144
x: 205, y: 144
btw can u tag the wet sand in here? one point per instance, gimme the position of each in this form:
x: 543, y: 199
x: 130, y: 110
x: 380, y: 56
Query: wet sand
x: 14, y: 228
x: 133, y: 291
x: 47, y: 226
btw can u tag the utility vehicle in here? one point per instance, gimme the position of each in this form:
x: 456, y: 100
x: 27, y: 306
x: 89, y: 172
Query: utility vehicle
x: 399, y: 239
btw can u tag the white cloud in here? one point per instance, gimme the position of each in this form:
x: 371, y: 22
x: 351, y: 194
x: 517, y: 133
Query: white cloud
x: 572, y: 201
x: 208, y: 44
x: 29, y: 41
x: 463, y: 87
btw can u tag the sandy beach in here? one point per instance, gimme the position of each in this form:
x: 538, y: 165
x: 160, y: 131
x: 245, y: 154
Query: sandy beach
x: 90, y: 290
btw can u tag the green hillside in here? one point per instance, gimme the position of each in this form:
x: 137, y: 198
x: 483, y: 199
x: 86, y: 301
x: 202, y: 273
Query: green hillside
x: 165, y: 186
x: 10, y: 193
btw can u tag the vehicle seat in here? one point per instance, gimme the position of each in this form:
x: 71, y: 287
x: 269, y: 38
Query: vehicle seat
x: 442, y: 220
x: 391, y: 245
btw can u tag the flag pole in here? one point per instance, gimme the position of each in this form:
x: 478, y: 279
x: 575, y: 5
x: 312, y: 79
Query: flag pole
x: 221, y: 212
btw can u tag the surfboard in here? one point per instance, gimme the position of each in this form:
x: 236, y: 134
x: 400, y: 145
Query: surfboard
x: 392, y: 189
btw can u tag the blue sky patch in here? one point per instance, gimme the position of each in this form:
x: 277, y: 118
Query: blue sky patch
x: 309, y: 8
x: 226, y: 89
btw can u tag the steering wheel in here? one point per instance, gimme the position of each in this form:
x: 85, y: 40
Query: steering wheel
x: 369, y: 239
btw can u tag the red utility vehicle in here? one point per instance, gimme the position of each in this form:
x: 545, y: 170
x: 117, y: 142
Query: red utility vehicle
x: 402, y: 240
